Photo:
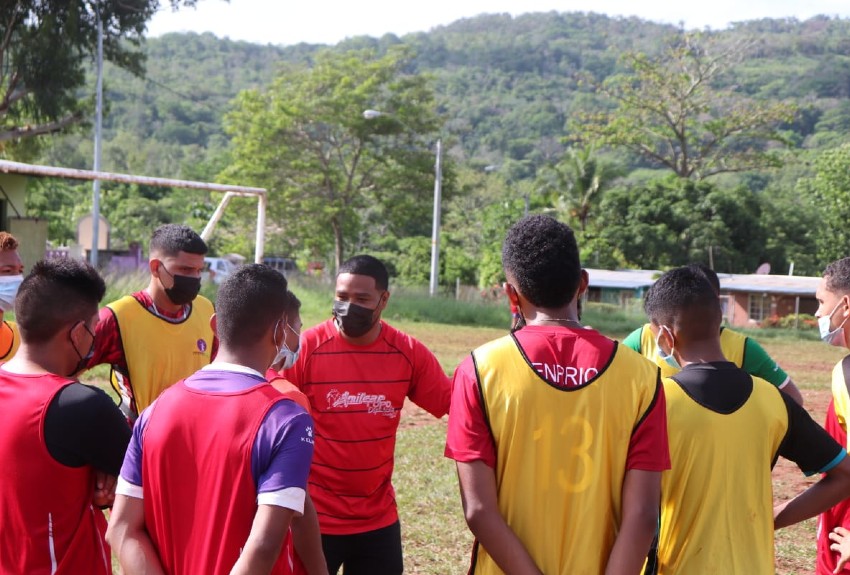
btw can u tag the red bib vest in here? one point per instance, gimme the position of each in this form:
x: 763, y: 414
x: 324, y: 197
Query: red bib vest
x: 836, y: 515
x: 47, y: 522
x: 199, y: 493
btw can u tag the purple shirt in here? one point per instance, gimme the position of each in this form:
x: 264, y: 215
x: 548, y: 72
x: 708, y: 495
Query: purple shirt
x: 282, y: 450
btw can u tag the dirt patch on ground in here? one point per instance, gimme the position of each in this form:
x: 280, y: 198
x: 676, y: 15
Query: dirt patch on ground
x: 414, y: 416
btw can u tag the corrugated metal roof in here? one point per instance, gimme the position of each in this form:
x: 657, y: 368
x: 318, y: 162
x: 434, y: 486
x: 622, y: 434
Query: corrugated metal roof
x: 622, y: 279
x: 765, y: 283
x: 750, y: 283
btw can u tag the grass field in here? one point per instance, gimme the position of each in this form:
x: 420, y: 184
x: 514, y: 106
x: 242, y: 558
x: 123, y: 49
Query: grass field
x: 436, y: 540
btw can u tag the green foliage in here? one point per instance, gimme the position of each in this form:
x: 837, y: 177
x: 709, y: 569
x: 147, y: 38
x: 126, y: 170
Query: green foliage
x: 670, y: 110
x: 830, y: 192
x: 306, y: 140
x: 45, y: 47
x: 673, y: 222
x: 574, y: 185
x: 502, y: 89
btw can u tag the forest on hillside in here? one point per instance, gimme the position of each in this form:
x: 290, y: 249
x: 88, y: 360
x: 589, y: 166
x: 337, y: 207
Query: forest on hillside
x: 516, y: 102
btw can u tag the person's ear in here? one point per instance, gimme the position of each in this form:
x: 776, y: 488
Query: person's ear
x: 153, y: 266
x: 665, y: 335
x: 512, y: 293
x: 75, y: 333
x: 583, y: 283
x: 384, y: 300
x: 213, y: 322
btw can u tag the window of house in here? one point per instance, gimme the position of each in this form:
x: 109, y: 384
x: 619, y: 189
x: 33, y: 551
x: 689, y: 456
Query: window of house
x: 759, y: 308
x: 725, y: 307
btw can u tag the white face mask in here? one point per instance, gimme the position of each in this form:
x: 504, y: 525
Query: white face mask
x: 284, y: 354
x: 668, y: 359
x: 832, y: 337
x: 8, y: 291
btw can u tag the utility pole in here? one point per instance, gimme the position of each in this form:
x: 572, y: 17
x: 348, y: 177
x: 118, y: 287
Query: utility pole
x: 435, y: 228
x: 98, y: 125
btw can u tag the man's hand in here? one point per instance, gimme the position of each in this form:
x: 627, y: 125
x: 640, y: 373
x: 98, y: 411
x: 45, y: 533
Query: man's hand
x: 841, y: 545
x: 104, y: 490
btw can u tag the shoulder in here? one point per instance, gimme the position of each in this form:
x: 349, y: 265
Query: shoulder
x: 288, y: 390
x: 495, y: 346
x: 318, y: 335
x: 625, y: 354
x: 402, y: 340
x: 202, y: 304
x: 286, y: 414
x: 734, y: 336
x: 128, y: 301
x: 320, y: 332
x: 82, y: 401
x: 633, y: 340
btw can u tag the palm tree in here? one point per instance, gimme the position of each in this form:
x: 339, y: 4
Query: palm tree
x: 576, y: 182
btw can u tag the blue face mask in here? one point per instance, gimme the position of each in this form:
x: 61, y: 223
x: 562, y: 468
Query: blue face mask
x: 668, y: 359
x: 285, y: 357
x: 832, y: 337
x: 9, y: 290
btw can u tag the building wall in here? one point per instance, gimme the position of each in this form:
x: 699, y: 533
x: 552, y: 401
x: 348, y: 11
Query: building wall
x: 31, y: 234
x: 738, y: 313
x: 738, y: 310
x: 13, y: 197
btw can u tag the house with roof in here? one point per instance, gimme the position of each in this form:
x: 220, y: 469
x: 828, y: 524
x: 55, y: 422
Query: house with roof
x: 746, y: 299
x: 749, y: 299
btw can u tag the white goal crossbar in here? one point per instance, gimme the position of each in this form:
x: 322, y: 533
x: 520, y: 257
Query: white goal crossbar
x: 230, y: 192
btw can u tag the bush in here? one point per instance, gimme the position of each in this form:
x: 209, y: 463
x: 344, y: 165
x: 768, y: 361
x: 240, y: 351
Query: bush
x: 792, y: 321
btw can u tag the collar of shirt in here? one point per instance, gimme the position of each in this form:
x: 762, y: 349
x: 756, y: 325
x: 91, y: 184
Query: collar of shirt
x: 234, y: 367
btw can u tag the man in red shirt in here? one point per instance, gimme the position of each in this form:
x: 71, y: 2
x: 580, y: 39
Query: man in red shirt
x: 62, y: 441
x: 161, y: 334
x: 217, y: 466
x: 559, y: 434
x: 357, y: 371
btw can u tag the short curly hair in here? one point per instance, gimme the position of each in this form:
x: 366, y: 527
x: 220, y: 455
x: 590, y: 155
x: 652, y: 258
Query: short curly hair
x: 541, y: 256
x: 366, y: 265
x: 249, y: 303
x: 54, y: 294
x: 171, y: 239
x: 837, y: 276
x: 680, y: 292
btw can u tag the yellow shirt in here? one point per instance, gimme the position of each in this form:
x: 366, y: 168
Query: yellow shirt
x: 717, y: 499
x: 159, y: 352
x: 561, y: 454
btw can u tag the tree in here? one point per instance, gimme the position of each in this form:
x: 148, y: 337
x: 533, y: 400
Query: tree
x: 672, y: 111
x: 575, y: 183
x: 673, y: 222
x: 327, y: 167
x: 829, y: 191
x: 45, y: 46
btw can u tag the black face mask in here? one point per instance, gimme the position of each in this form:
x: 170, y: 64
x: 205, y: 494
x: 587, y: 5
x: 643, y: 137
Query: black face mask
x: 185, y: 288
x: 355, y: 320
x: 84, y: 359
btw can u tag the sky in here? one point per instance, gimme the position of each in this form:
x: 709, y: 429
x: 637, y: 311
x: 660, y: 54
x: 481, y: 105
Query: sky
x: 287, y: 22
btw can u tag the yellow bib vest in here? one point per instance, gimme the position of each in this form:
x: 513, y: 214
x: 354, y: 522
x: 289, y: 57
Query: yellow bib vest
x: 561, y: 454
x: 732, y: 343
x: 715, y: 459
x: 158, y: 352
